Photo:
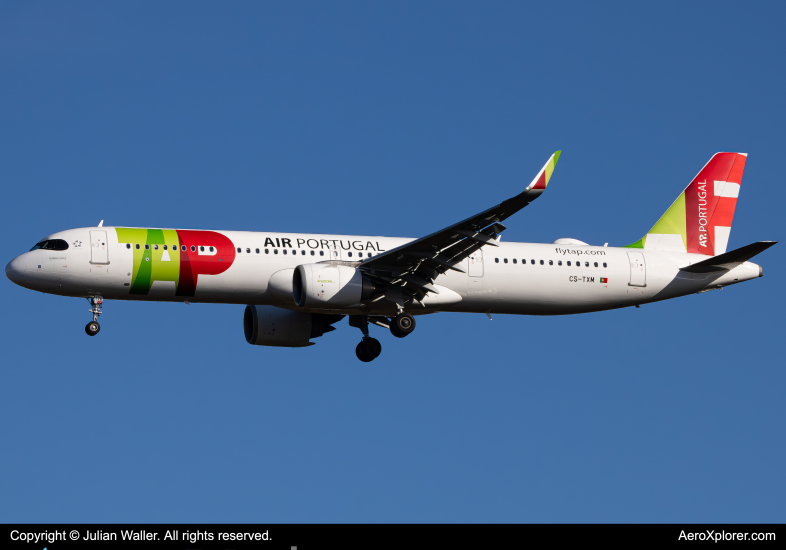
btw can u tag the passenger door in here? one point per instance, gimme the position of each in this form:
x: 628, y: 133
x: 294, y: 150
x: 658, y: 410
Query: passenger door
x: 98, y: 249
x: 638, y: 269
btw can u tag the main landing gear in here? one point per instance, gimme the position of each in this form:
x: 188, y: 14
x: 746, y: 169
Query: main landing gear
x: 402, y: 325
x: 96, y: 302
x: 369, y: 348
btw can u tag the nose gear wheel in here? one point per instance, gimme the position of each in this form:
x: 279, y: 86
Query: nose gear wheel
x: 92, y: 328
x: 96, y: 302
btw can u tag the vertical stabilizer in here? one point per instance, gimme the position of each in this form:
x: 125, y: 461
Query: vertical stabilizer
x: 699, y: 221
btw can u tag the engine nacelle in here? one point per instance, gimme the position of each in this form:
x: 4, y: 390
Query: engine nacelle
x: 330, y: 286
x: 272, y: 326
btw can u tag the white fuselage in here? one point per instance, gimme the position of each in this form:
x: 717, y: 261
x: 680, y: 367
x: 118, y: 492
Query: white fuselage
x: 564, y: 279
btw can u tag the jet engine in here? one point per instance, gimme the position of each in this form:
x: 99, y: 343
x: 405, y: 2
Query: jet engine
x: 272, y: 326
x: 330, y: 286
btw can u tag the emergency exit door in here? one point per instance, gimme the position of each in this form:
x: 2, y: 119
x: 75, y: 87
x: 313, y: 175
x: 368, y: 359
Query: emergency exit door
x: 476, y: 264
x: 98, y: 248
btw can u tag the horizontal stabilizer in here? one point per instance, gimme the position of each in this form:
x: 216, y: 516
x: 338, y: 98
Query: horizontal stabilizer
x: 728, y: 260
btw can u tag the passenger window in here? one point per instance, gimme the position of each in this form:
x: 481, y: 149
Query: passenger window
x: 321, y: 252
x: 532, y: 262
x: 248, y: 250
x: 335, y: 253
x: 155, y: 247
x: 202, y: 249
x: 302, y: 252
x: 137, y: 246
x: 551, y: 262
x: 586, y: 264
x: 257, y: 251
x: 596, y: 264
x: 578, y: 264
x: 350, y: 254
x: 284, y: 251
x: 541, y: 262
x: 369, y: 254
x: 496, y: 260
x: 275, y: 251
x: 239, y: 250
x: 211, y: 249
x: 147, y: 247
x: 514, y: 260
x: 193, y: 248
x: 312, y: 252
x: 184, y: 248
x: 604, y: 264
x: 568, y: 263
x: 505, y: 260
x: 128, y: 245
x: 559, y: 262
x: 267, y: 251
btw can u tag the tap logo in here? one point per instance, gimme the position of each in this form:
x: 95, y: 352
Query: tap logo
x: 176, y: 255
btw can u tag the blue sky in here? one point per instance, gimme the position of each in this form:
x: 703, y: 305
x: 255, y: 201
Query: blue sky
x: 390, y: 119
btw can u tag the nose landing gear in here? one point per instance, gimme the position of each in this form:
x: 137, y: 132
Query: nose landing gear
x: 96, y: 302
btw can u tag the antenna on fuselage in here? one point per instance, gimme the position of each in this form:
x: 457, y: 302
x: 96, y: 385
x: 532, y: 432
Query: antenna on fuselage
x: 101, y: 223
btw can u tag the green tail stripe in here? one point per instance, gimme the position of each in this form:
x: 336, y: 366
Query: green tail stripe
x: 637, y: 244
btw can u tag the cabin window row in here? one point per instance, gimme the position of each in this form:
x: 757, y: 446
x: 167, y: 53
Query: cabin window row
x: 283, y: 251
x: 173, y: 247
x: 294, y: 252
x: 551, y: 262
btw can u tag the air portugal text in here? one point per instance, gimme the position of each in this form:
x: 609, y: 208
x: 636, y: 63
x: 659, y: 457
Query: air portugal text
x: 327, y: 244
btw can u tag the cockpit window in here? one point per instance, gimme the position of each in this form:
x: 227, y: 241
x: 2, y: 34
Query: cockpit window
x: 54, y: 244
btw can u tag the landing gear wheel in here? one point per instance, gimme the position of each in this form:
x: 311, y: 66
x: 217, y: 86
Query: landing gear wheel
x: 368, y: 349
x: 402, y: 325
x: 96, y: 302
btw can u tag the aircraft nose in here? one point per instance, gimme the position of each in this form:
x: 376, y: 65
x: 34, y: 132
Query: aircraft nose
x: 15, y: 270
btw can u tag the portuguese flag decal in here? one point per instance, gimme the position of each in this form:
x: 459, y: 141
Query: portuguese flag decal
x: 604, y: 280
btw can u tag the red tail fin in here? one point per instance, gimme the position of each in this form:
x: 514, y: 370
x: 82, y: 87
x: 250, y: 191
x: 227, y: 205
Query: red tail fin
x: 710, y: 200
x: 699, y: 221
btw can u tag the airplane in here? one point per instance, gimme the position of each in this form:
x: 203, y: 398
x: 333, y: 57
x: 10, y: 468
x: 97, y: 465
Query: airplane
x: 297, y: 286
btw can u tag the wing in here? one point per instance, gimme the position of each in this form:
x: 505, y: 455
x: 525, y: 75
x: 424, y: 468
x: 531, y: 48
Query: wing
x: 413, y: 267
